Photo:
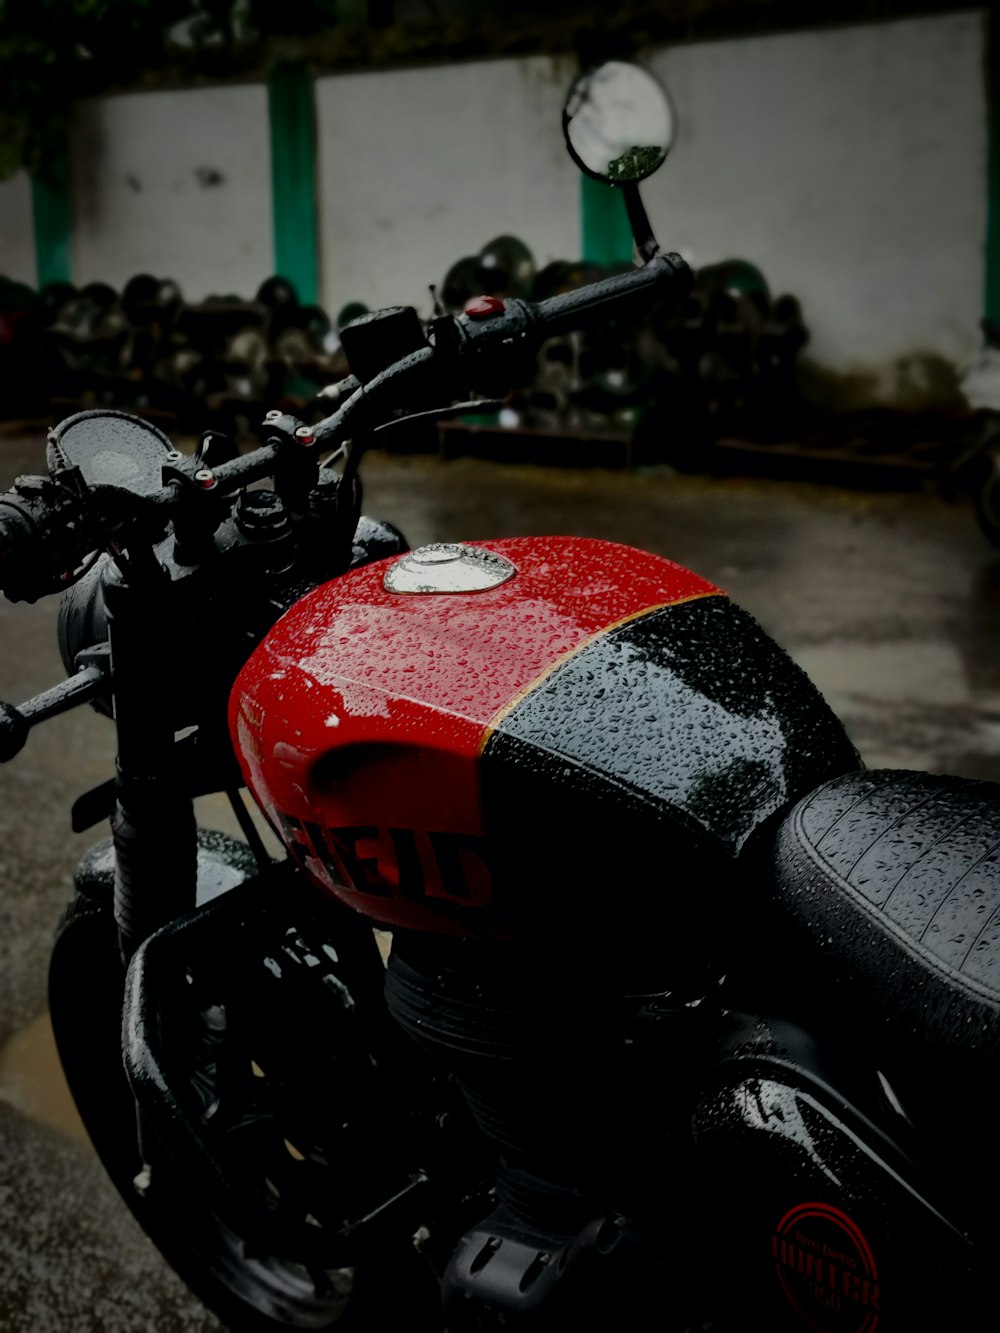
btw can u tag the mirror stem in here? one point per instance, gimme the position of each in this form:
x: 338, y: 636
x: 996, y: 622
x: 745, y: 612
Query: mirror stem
x: 645, y: 242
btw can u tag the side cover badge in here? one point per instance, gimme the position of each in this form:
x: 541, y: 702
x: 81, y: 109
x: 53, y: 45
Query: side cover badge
x: 826, y: 1269
x: 444, y: 567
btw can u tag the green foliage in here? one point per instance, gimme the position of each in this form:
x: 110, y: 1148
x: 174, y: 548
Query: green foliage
x: 635, y: 164
x: 296, y: 18
x: 51, y: 50
x: 44, y: 44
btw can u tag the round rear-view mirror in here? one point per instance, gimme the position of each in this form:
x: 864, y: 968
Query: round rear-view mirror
x: 618, y: 122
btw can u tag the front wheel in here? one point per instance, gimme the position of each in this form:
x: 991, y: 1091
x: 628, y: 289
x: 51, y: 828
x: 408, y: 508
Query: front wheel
x: 246, y: 1289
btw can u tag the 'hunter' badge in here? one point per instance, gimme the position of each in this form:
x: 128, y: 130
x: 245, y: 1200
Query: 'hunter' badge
x: 826, y: 1269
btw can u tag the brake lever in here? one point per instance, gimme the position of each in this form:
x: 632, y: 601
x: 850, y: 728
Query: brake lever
x: 444, y: 413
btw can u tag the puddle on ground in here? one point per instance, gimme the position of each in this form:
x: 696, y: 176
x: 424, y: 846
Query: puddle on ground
x: 31, y: 1079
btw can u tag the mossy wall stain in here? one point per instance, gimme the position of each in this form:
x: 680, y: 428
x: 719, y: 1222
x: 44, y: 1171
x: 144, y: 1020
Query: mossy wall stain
x: 914, y: 382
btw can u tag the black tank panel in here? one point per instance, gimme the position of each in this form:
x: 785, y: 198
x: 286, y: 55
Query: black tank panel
x: 691, y: 709
x: 622, y: 789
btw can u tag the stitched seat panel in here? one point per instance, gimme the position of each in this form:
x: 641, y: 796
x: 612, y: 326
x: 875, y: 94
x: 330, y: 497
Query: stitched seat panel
x: 896, y: 875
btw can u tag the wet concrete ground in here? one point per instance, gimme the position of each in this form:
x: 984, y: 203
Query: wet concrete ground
x: 890, y: 601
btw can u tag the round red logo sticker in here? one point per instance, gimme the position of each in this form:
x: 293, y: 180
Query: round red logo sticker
x: 826, y: 1269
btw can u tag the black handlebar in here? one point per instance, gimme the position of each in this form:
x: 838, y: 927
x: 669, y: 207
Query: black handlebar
x: 521, y: 322
x: 15, y: 723
x: 461, y: 345
x: 613, y: 297
x: 47, y: 525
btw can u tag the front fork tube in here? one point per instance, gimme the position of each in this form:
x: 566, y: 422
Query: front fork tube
x: 153, y: 826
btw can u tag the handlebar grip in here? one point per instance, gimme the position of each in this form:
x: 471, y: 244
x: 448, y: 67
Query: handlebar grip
x: 14, y: 728
x: 664, y: 275
x: 520, y: 327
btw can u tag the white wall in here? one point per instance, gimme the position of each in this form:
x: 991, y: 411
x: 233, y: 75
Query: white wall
x: 177, y: 184
x: 420, y: 167
x: 850, y: 165
x: 17, y: 238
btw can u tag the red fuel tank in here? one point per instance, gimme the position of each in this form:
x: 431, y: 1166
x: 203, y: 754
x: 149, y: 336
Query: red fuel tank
x: 469, y: 759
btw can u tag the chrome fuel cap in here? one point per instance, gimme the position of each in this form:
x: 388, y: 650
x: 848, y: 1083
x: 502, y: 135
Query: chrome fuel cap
x: 448, y: 567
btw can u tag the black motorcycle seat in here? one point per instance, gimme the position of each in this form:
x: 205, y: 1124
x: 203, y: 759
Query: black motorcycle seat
x: 895, y: 876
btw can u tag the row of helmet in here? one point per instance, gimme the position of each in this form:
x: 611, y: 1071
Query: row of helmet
x: 198, y: 364
x: 721, y: 361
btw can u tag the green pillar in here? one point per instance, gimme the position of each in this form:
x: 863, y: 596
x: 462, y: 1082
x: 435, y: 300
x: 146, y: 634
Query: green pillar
x: 293, y: 178
x: 992, y: 301
x: 50, y: 206
x: 607, y: 235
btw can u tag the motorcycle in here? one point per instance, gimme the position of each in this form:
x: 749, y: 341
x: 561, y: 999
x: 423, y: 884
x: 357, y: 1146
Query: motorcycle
x: 687, y: 1019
